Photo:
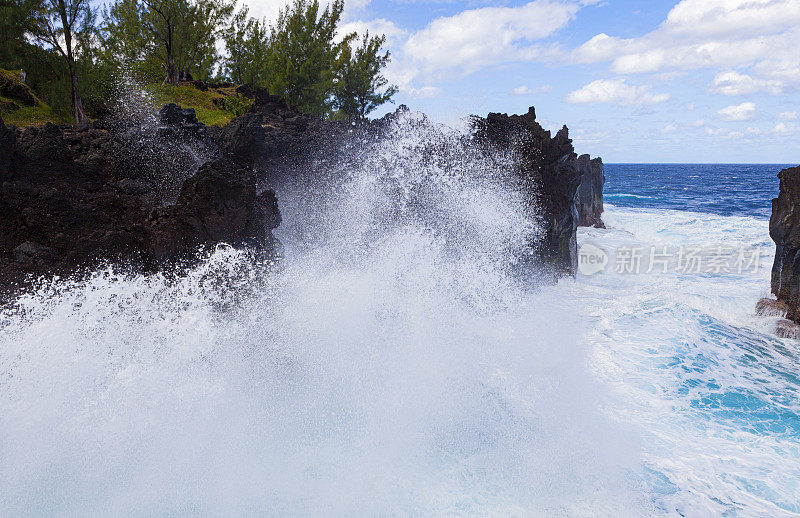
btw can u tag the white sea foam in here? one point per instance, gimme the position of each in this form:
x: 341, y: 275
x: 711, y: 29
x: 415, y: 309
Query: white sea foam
x: 390, y: 365
x: 706, y: 381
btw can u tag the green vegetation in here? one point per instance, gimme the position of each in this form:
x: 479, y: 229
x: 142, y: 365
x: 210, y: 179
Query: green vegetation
x: 75, y: 58
x: 302, y: 60
x: 21, y: 107
x: 180, y: 34
x: 237, y: 104
x: 203, y: 102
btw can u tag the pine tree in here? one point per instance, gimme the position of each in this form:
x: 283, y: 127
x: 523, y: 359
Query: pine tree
x: 360, y: 81
x: 181, y: 34
x: 303, y: 55
x: 246, y: 41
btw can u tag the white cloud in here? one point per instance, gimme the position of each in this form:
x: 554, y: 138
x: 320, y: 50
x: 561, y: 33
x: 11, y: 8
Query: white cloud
x: 476, y: 38
x: 669, y: 128
x: 734, y: 83
x: 525, y: 90
x: 265, y: 8
x: 425, y: 92
x: 615, y: 91
x: 789, y: 116
x: 388, y: 28
x: 784, y: 128
x: 711, y: 34
x: 739, y: 112
x: 269, y: 9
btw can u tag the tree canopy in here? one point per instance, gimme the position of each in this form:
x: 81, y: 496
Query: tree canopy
x: 71, y: 54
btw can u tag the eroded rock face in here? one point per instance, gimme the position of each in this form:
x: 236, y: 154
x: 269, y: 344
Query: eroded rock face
x: 784, y: 229
x: 552, y: 173
x: 589, y: 198
x: 70, y: 198
x: 147, y: 195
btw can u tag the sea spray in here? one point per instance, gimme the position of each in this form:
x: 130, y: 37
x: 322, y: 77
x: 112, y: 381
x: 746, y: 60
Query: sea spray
x: 392, y: 363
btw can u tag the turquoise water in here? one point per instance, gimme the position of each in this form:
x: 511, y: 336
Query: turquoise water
x: 713, y: 391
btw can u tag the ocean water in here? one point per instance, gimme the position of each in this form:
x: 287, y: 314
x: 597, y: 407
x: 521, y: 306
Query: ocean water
x: 725, y: 189
x: 713, y: 390
x: 395, y: 363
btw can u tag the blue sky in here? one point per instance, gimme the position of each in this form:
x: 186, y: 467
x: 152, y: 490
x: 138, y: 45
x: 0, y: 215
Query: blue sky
x: 635, y: 80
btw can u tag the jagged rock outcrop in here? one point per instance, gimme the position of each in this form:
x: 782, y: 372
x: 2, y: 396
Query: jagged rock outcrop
x: 552, y: 173
x: 70, y: 198
x: 784, y: 229
x: 589, y: 198
x: 148, y: 192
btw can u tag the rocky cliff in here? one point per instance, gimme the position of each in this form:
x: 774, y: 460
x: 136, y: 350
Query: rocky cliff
x: 784, y: 229
x: 147, y: 192
x: 564, y: 188
x: 589, y: 198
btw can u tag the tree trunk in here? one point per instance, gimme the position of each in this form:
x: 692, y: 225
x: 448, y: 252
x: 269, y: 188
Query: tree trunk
x: 77, y: 104
x: 172, y: 72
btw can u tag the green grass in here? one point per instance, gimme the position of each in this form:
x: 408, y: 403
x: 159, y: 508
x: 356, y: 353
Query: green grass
x: 23, y: 116
x: 190, y: 97
x: 15, y: 112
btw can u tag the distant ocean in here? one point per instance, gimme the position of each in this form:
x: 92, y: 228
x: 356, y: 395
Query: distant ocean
x: 725, y: 189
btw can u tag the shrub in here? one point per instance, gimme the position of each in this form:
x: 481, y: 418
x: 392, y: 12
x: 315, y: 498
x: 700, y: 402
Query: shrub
x: 237, y: 104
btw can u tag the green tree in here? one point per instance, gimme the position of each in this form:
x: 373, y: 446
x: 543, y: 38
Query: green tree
x: 181, y: 34
x: 247, y: 42
x: 15, y: 17
x: 360, y: 84
x: 303, y: 56
x: 67, y: 27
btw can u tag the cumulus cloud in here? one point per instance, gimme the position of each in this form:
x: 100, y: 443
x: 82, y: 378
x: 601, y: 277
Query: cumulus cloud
x: 268, y: 9
x: 784, y: 128
x: 739, y: 112
x: 712, y: 33
x: 789, y: 116
x: 525, y: 90
x: 388, y: 28
x: 615, y: 91
x: 734, y: 83
x: 476, y: 38
x: 425, y: 92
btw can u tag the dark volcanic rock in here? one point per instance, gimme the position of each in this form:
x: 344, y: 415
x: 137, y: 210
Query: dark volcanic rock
x: 147, y: 193
x: 183, y: 120
x: 589, y: 198
x: 551, y: 172
x: 218, y: 204
x: 771, y: 308
x: 13, y: 88
x: 7, y: 142
x: 70, y: 198
x: 784, y: 229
